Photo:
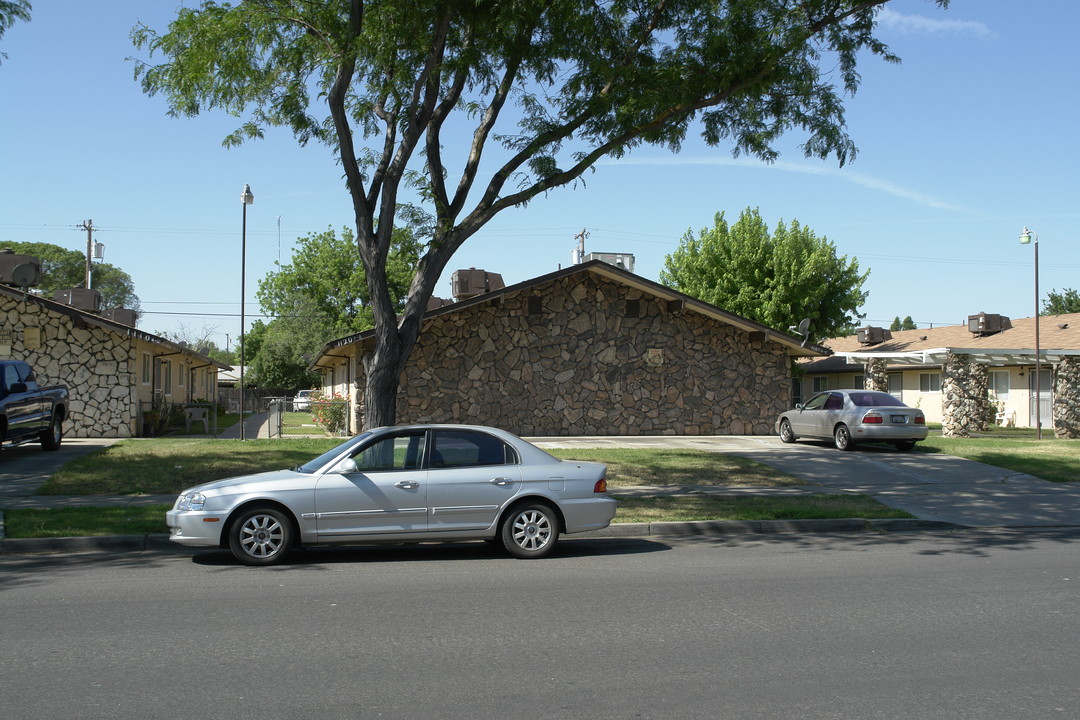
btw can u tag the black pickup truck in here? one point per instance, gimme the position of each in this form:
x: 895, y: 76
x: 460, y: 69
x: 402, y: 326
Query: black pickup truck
x: 30, y: 413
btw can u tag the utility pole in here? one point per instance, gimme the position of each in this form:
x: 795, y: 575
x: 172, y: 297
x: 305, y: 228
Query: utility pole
x: 88, y: 226
x: 579, y: 253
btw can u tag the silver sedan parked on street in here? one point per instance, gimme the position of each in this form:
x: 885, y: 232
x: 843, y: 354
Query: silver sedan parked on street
x: 848, y: 417
x: 410, y: 483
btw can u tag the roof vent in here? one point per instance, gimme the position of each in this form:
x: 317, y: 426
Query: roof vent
x: 985, y: 324
x: 472, y: 282
x: 871, y: 335
x: 19, y: 270
x: 81, y: 298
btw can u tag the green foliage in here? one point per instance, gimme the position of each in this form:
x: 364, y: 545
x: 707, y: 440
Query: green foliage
x: 326, y: 283
x: 10, y: 11
x: 776, y: 279
x: 280, y: 352
x: 329, y: 412
x: 63, y: 269
x: 906, y: 324
x: 1061, y: 303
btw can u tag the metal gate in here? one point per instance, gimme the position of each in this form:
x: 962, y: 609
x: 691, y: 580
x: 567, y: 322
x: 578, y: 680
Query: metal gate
x: 289, y: 417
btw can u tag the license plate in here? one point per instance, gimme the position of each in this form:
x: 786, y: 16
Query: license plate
x: 900, y: 419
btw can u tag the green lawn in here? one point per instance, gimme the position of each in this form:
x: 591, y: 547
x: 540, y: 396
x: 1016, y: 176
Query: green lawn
x: 1050, y: 459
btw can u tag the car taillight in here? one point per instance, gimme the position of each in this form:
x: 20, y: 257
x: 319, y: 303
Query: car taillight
x: 920, y: 419
x: 872, y: 419
x: 600, y: 486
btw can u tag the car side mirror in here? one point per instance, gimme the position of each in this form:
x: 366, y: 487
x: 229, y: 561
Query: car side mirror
x: 346, y: 466
x: 17, y: 387
x: 798, y: 406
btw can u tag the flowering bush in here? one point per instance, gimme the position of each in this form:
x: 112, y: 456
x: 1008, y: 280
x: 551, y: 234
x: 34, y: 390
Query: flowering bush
x: 329, y: 411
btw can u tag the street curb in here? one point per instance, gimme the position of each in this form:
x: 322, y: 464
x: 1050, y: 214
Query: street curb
x: 703, y: 528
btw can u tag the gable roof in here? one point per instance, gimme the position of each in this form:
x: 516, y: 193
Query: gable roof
x: 1059, y: 335
x: 797, y: 347
x: 83, y: 318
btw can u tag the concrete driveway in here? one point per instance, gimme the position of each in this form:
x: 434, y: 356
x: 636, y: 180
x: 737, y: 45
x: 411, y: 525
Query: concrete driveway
x: 23, y: 469
x: 929, y: 486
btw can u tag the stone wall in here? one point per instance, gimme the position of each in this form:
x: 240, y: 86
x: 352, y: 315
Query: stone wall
x: 877, y: 375
x: 95, y: 365
x: 965, y: 396
x: 600, y: 358
x: 1067, y: 397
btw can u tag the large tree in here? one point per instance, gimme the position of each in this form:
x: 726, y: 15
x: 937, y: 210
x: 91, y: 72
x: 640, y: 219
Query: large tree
x: 777, y: 278
x: 555, y: 85
x: 1061, y: 303
x: 63, y: 269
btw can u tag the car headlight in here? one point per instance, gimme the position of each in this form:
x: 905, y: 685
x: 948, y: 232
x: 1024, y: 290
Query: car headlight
x: 191, y: 501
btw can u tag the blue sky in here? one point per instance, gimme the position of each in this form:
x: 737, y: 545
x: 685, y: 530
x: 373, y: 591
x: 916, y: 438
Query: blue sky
x: 968, y: 140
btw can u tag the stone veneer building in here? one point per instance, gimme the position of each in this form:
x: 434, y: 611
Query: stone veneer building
x: 966, y: 376
x: 111, y: 370
x: 590, y: 350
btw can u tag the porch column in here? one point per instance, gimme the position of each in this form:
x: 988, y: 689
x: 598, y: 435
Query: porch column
x: 877, y: 375
x: 1067, y: 397
x: 965, y: 396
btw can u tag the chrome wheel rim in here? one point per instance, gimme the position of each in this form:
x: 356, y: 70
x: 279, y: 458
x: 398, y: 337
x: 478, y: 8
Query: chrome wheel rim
x: 842, y: 439
x: 785, y: 431
x: 262, y: 536
x: 532, y: 530
x: 56, y: 434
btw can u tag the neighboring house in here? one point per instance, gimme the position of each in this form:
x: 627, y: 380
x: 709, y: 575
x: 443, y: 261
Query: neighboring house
x: 589, y: 350
x: 949, y: 371
x: 113, y: 371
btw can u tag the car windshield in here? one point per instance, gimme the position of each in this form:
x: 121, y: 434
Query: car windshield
x: 875, y: 399
x: 312, y: 465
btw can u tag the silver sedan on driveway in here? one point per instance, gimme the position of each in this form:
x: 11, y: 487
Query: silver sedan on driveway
x: 410, y: 483
x: 848, y: 417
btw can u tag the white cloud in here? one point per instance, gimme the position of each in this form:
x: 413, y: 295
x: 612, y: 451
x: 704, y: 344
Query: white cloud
x: 920, y: 25
x: 867, y: 181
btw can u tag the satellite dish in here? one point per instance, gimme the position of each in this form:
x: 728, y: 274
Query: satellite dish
x: 24, y: 275
x: 803, y: 328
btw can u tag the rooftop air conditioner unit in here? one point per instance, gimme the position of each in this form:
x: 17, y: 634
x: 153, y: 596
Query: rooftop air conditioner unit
x: 124, y: 316
x: 81, y: 298
x: 987, y: 324
x: 871, y: 335
x: 472, y: 282
x: 19, y: 270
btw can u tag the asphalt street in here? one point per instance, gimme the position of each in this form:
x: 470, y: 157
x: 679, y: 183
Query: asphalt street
x: 970, y: 625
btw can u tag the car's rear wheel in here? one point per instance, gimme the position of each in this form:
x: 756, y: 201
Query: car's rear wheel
x: 842, y: 438
x: 530, y: 531
x: 904, y: 445
x: 52, y: 436
x: 786, y: 433
x: 261, y: 536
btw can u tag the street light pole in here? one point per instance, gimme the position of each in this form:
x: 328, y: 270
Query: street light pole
x: 246, y: 198
x: 1025, y: 239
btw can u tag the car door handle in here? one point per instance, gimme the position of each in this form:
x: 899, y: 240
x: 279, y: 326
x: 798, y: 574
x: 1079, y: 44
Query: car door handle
x: 501, y: 482
x: 407, y: 484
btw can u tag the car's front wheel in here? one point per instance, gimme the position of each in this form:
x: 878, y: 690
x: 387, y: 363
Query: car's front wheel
x: 261, y: 536
x: 530, y: 531
x: 842, y: 438
x: 786, y: 433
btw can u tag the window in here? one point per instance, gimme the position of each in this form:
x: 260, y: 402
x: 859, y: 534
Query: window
x: 816, y: 402
x: 468, y: 448
x: 146, y: 368
x: 535, y: 305
x: 181, y: 374
x: 859, y: 383
x: 400, y: 452
x: 929, y: 382
x: 821, y: 384
x: 999, y: 383
x: 633, y: 309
